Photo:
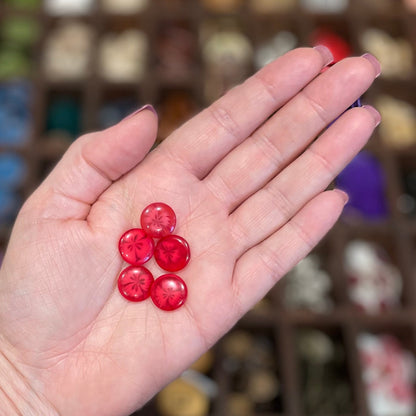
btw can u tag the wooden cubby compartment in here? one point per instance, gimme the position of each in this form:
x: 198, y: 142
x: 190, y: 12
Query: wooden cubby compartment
x: 397, y: 233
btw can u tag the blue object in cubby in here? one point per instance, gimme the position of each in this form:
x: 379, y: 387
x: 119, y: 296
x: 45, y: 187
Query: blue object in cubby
x: 12, y: 170
x: 15, y: 117
x: 10, y: 203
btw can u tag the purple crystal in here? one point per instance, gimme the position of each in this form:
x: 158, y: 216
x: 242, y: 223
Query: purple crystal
x: 356, y: 103
x: 364, y: 181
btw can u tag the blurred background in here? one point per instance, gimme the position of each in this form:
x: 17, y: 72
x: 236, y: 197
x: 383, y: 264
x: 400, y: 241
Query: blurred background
x: 337, y: 336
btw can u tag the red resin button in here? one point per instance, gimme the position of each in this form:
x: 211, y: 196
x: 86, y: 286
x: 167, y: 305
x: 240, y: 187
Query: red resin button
x: 172, y: 253
x: 135, y: 282
x: 169, y: 292
x: 136, y: 247
x: 158, y: 220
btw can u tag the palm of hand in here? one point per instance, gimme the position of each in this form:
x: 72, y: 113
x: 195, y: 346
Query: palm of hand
x: 91, y: 350
x: 88, y: 330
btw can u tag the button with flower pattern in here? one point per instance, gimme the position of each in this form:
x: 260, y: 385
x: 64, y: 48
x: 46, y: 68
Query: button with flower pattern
x: 172, y: 253
x: 158, y: 220
x: 136, y: 247
x: 169, y: 292
x: 135, y: 282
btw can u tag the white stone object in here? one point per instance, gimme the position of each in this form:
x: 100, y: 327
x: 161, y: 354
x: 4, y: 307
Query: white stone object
x: 308, y: 286
x: 68, y: 7
x: 283, y: 42
x: 68, y: 51
x: 374, y: 283
x: 389, y: 374
x: 325, y: 6
x: 122, y: 56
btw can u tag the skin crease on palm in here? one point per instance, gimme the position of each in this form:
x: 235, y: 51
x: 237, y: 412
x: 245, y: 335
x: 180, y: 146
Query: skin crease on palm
x: 247, y: 181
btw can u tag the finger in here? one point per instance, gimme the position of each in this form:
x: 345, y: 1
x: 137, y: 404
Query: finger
x: 275, y: 144
x: 93, y: 162
x: 263, y: 265
x: 202, y: 142
x: 272, y: 206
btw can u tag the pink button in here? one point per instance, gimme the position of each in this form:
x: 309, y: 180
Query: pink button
x: 172, y: 253
x: 135, y: 282
x: 158, y: 220
x: 136, y: 247
x: 169, y: 292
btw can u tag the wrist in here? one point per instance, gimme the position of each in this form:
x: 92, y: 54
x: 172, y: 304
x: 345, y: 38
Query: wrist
x: 17, y: 395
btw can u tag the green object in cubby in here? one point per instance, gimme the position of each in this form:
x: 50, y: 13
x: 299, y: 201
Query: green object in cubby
x: 24, y: 4
x: 64, y: 115
x: 13, y: 63
x: 20, y: 31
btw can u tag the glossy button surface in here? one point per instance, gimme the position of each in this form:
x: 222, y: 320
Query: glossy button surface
x: 158, y: 220
x: 136, y: 247
x: 169, y: 292
x: 172, y: 253
x: 135, y: 282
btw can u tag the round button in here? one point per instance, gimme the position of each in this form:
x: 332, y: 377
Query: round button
x: 158, y: 220
x: 136, y: 247
x: 135, y: 282
x: 169, y: 292
x: 172, y: 253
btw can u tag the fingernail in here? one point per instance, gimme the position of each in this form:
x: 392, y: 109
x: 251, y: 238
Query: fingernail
x: 374, y: 113
x: 343, y: 195
x: 326, y: 54
x: 145, y: 107
x: 374, y: 61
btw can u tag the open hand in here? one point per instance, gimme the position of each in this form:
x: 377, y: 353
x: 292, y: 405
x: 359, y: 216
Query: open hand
x: 247, y: 181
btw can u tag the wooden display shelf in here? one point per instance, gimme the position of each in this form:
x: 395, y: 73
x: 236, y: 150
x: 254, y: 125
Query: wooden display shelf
x: 397, y: 234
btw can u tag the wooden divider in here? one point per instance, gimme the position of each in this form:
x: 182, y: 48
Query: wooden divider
x: 397, y: 234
